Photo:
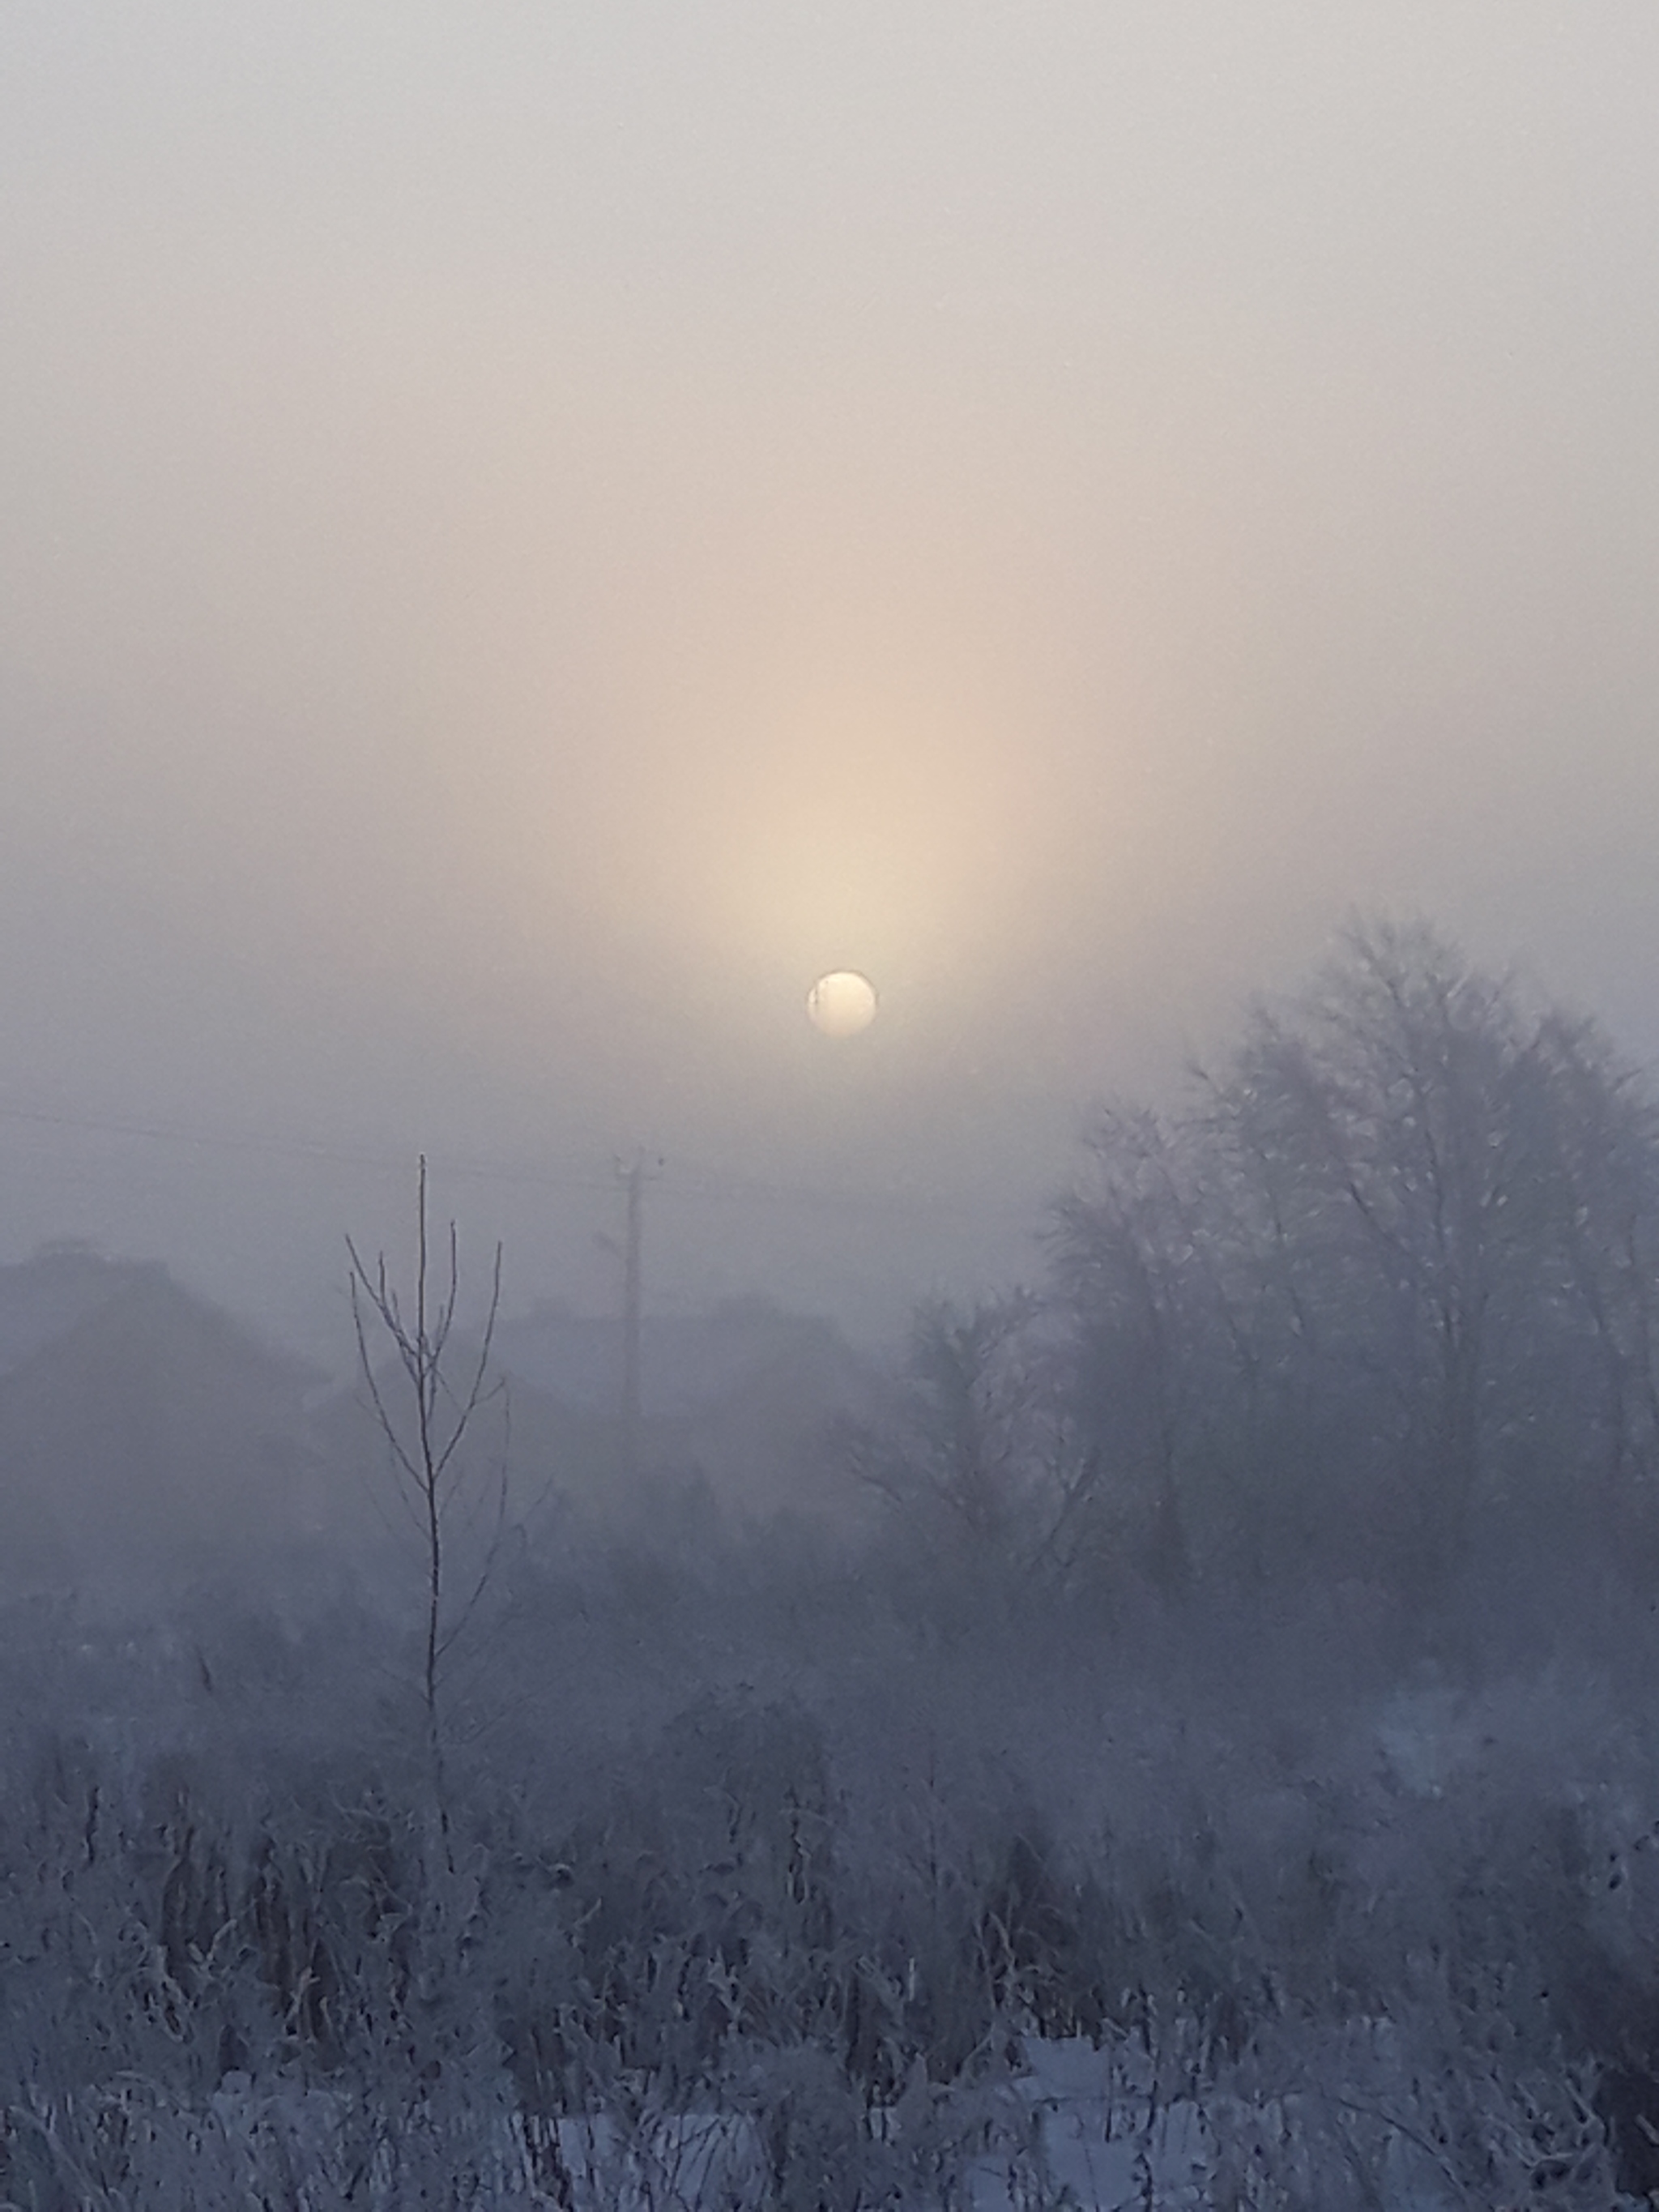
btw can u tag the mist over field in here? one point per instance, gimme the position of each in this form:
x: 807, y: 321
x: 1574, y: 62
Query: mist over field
x: 829, y: 1175
x: 1179, y: 1731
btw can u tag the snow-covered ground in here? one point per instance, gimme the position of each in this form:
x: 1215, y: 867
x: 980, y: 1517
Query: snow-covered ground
x: 1068, y: 2131
x: 1062, y: 2136
x: 1068, y: 2128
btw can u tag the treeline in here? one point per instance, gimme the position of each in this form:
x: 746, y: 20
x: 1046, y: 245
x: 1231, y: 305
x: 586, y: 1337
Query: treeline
x: 1377, y: 1305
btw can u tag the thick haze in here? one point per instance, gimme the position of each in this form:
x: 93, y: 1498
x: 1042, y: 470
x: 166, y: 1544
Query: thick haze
x: 526, y: 533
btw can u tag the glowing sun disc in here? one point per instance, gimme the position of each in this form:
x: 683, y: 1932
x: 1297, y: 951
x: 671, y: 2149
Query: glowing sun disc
x: 842, y: 1004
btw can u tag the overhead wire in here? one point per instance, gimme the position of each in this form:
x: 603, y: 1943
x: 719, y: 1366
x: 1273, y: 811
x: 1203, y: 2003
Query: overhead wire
x: 716, y: 1185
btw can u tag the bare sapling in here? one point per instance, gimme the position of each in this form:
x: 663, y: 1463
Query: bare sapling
x: 425, y: 1413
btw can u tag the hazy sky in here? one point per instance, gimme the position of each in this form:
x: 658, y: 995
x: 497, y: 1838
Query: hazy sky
x: 527, y: 531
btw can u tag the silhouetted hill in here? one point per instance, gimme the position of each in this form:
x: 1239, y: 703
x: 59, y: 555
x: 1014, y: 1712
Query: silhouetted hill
x: 688, y: 1361
x: 747, y: 1396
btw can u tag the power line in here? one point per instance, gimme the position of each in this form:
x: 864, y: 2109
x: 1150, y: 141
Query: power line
x: 712, y: 1186
x: 294, y: 1147
x: 834, y: 1197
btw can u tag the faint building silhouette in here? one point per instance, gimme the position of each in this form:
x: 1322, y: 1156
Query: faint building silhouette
x: 142, y: 1431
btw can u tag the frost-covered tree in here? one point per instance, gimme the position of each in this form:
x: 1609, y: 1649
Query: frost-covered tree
x: 1393, y: 1263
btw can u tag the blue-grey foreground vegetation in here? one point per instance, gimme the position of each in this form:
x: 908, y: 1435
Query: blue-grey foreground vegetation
x: 1196, y: 1747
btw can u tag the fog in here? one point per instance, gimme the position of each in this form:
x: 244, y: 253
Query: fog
x: 1063, y: 1612
x: 527, y: 536
x: 1183, y: 1738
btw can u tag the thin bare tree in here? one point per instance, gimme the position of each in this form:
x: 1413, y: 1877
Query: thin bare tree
x: 425, y: 1423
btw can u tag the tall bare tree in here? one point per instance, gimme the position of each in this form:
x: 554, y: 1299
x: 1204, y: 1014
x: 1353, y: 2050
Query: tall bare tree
x: 1393, y: 1268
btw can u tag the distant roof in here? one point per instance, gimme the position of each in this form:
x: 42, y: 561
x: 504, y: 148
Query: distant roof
x: 47, y: 1298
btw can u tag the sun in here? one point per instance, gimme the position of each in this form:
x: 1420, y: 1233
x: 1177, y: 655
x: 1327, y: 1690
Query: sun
x: 842, y: 1004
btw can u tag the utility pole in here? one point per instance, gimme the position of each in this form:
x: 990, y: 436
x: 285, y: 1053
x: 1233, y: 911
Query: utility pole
x: 635, y: 1173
